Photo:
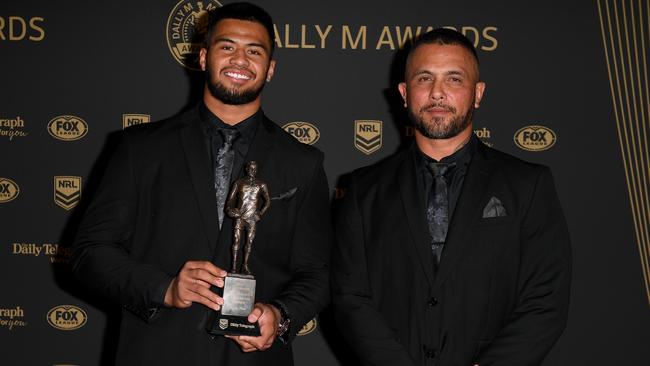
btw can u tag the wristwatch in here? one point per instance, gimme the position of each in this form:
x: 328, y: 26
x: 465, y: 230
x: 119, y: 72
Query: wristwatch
x: 283, y: 323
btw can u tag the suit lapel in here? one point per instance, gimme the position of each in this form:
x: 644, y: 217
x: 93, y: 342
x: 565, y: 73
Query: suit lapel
x: 200, y: 167
x: 468, y: 210
x: 414, y: 212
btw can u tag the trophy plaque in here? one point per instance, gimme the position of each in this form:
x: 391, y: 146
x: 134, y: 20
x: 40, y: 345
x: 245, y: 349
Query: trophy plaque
x: 239, y: 286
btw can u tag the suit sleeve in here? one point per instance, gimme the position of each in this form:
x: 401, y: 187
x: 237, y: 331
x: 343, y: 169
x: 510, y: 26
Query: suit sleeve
x: 540, y: 315
x: 358, y: 319
x: 100, y: 258
x: 307, y: 292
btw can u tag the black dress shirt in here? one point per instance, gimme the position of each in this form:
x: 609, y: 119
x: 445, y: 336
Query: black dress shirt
x: 454, y: 176
x: 242, y: 143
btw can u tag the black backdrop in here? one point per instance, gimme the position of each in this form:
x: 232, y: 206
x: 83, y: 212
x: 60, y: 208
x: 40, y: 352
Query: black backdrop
x: 566, y: 87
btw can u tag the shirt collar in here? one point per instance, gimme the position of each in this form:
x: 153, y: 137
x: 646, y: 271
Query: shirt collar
x: 246, y: 128
x: 461, y: 158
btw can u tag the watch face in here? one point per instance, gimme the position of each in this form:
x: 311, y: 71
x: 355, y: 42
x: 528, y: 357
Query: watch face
x: 283, y: 326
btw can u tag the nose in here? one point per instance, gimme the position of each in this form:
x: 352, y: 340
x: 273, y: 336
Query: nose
x: 239, y: 58
x: 437, y: 90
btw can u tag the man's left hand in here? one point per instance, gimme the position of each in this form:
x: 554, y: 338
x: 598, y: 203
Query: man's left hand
x: 268, y: 318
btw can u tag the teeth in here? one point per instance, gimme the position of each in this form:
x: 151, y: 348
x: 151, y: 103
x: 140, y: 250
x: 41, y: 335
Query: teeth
x: 237, y: 75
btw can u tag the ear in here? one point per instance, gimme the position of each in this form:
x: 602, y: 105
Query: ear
x: 202, y: 58
x: 270, y: 71
x: 478, y: 93
x: 402, y: 90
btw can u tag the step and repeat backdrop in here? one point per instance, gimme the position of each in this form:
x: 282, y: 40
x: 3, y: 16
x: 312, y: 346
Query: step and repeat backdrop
x: 567, y: 86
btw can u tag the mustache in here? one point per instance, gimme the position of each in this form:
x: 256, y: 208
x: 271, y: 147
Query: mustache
x: 438, y: 105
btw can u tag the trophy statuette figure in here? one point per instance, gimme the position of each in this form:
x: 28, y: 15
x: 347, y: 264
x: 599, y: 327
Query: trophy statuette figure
x: 243, y: 205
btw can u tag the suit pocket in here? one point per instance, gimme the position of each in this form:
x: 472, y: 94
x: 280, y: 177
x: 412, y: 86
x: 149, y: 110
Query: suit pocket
x: 494, y: 221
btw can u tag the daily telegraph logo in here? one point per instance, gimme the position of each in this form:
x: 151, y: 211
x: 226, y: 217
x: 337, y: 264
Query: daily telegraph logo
x: 67, y: 191
x: 67, y: 317
x: 485, y: 135
x: 67, y: 128
x: 303, y: 131
x: 8, y: 190
x: 186, y: 27
x: 367, y: 136
x: 308, y: 328
x: 13, y: 127
x: 12, y: 317
x: 535, y: 138
x: 129, y: 120
x: 57, y: 254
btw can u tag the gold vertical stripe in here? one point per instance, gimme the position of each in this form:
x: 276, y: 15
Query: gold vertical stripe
x: 645, y: 157
x: 634, y: 184
x: 643, y: 147
x: 635, y: 138
x: 646, y: 124
x: 642, y: 79
x: 625, y: 80
x: 642, y: 139
x: 618, y: 110
x: 629, y: 140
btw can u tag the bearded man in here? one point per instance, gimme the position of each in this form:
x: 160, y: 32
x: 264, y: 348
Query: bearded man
x: 156, y: 241
x: 450, y: 252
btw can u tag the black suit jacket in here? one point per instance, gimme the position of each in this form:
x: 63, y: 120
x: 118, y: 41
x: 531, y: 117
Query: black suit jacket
x: 156, y: 209
x: 500, y: 295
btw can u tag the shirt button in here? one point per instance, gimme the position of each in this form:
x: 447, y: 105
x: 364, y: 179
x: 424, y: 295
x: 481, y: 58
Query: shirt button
x: 432, y: 302
x: 430, y: 353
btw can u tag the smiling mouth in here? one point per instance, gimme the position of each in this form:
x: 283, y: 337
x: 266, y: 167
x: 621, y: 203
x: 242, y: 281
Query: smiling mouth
x: 237, y: 75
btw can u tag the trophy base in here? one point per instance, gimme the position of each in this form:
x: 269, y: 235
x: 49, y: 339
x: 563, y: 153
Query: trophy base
x: 239, y: 299
x: 232, y: 325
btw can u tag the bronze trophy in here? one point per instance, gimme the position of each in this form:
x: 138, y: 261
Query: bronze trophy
x: 239, y: 289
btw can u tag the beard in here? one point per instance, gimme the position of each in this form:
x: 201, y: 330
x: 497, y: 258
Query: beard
x: 231, y: 96
x: 436, y: 128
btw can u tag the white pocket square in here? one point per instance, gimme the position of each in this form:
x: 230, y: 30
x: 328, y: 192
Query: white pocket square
x: 494, y: 208
x: 286, y: 195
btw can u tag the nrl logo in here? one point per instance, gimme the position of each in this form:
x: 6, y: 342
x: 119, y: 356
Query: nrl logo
x: 67, y: 191
x: 186, y: 27
x: 367, y: 135
x: 223, y: 324
x: 132, y: 119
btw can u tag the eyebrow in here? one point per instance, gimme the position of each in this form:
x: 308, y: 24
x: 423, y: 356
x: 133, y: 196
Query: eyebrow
x: 228, y: 40
x: 451, y: 72
x: 455, y: 72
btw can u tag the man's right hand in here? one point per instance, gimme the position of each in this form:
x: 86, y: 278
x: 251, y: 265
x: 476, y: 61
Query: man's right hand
x: 192, y: 284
